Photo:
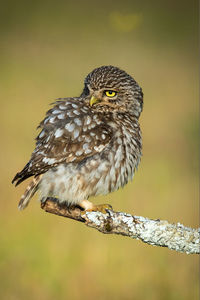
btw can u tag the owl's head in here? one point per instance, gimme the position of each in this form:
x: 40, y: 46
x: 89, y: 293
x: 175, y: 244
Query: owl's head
x: 108, y: 88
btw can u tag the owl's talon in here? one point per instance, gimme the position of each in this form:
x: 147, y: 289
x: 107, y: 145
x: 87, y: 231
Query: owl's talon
x: 101, y: 208
x: 89, y: 206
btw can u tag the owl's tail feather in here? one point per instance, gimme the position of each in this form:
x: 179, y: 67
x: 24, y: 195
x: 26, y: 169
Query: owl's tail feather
x: 29, y: 192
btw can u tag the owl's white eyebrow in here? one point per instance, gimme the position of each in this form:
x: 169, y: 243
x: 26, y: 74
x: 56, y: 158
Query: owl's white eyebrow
x: 109, y: 89
x: 103, y: 89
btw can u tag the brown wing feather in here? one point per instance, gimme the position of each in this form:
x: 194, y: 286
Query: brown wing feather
x: 71, y: 132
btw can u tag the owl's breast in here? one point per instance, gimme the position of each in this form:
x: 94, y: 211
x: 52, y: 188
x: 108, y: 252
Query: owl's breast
x: 99, y: 174
x: 116, y: 165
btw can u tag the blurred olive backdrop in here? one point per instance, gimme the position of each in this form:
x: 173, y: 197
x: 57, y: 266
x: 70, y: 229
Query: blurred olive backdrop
x: 47, y: 48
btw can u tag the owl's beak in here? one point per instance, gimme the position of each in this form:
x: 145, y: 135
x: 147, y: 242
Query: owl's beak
x: 93, y: 100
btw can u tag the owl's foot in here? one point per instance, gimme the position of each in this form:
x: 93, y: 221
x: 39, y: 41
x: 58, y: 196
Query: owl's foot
x: 89, y: 206
x: 101, y: 207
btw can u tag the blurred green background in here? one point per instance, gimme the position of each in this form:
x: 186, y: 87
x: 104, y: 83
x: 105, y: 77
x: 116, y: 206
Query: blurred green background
x: 47, y: 48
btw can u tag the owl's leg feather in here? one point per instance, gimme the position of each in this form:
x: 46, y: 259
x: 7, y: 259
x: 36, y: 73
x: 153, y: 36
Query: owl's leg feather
x: 89, y: 206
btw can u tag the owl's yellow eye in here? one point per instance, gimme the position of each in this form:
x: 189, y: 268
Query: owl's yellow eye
x: 110, y: 93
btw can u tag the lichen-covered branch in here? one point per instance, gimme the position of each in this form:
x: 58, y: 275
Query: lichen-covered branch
x: 154, y: 232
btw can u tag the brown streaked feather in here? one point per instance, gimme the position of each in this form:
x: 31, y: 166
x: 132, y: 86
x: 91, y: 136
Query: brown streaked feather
x: 29, y: 192
x: 21, y: 176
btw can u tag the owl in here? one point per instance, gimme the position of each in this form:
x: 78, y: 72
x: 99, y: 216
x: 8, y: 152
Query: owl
x: 88, y: 145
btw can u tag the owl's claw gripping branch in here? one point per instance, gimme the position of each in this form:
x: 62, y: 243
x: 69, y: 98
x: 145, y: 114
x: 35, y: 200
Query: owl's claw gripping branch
x: 153, y: 232
x: 103, y: 208
x: 89, y: 206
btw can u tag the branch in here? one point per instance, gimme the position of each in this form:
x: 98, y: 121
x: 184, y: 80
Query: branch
x: 153, y: 232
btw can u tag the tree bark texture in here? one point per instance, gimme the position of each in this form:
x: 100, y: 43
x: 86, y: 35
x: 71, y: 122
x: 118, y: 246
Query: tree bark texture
x: 153, y: 232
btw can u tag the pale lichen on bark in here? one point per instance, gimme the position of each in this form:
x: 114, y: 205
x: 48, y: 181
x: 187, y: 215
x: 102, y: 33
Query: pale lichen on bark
x: 154, y: 232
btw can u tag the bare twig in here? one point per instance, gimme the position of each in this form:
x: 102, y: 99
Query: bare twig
x: 154, y: 232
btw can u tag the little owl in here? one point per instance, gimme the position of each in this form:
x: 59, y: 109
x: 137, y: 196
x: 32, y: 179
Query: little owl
x: 88, y: 145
